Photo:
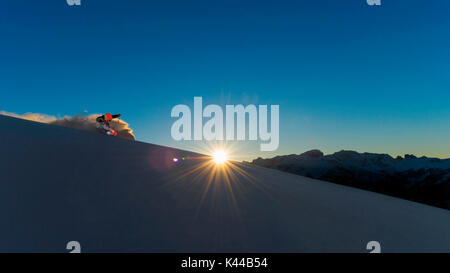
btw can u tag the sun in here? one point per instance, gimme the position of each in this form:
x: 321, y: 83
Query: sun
x: 220, y: 156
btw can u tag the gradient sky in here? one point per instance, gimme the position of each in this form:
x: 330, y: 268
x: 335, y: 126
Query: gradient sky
x: 346, y: 75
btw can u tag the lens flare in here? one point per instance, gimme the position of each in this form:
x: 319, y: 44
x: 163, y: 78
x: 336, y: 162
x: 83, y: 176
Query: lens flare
x: 220, y: 156
x: 217, y: 177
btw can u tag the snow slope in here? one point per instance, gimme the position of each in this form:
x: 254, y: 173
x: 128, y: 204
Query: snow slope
x: 114, y: 195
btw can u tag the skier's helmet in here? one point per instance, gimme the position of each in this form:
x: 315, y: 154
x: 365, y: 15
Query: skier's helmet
x: 108, y: 117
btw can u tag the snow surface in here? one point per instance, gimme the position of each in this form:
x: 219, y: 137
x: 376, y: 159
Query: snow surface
x: 114, y: 195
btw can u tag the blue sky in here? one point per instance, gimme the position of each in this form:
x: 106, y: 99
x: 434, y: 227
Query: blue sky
x: 346, y: 75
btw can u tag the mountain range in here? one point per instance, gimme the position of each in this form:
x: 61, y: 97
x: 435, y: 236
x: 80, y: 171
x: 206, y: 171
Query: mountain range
x: 420, y: 179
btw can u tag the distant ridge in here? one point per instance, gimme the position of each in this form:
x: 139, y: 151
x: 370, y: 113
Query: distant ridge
x: 423, y: 179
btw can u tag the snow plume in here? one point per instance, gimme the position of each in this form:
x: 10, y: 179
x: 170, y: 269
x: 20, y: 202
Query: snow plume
x: 31, y: 116
x: 80, y: 121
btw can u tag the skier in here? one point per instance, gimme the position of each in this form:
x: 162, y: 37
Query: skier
x: 103, y: 123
